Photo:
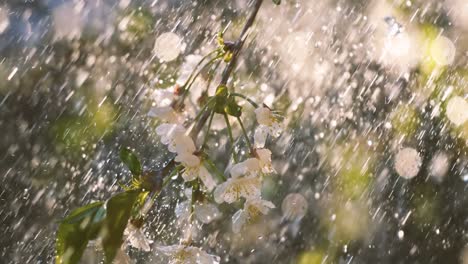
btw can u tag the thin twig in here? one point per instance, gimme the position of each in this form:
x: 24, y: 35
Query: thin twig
x: 230, y: 67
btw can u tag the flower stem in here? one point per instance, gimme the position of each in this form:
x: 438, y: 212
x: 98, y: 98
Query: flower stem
x: 198, y: 65
x: 255, y: 105
x: 218, y: 173
x: 207, y: 130
x: 230, y: 67
x: 231, y: 138
x: 245, y: 134
x: 187, y: 89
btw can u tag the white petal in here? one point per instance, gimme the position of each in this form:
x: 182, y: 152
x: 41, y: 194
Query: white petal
x: 275, y: 129
x: 184, y: 144
x: 238, y: 221
x: 206, y: 212
x: 260, y: 136
x: 182, y: 211
x: 219, y: 192
x: 238, y: 170
x: 170, y: 250
x: 206, y: 178
x: 231, y: 190
x: 138, y: 240
x: 190, y: 174
x: 165, y: 113
x: 188, y: 160
x: 258, y: 205
x: 264, y: 116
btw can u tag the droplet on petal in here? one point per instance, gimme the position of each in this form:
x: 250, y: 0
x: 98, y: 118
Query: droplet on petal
x: 407, y: 163
x: 294, y: 206
x: 168, y: 46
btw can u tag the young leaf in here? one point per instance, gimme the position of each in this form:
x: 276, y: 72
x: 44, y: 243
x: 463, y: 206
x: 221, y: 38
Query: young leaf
x: 75, y: 231
x: 119, y: 210
x: 277, y: 2
x: 131, y: 160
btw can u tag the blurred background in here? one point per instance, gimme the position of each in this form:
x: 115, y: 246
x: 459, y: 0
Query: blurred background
x: 373, y: 93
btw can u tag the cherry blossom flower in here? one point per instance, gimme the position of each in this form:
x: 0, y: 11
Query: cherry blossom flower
x: 136, y: 238
x: 163, y: 97
x: 166, y: 114
x: 294, y: 206
x: 264, y: 159
x: 268, y: 125
x: 252, y: 209
x: 235, y: 188
x: 171, y: 134
x: 204, y: 212
x: 251, y: 167
x: 180, y: 254
x: 194, y: 168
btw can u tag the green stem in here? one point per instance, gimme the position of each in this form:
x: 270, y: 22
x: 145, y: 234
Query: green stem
x: 245, y: 133
x: 231, y: 138
x: 207, y: 130
x: 203, y: 109
x: 218, y: 173
x: 255, y: 105
x: 198, y: 65
x: 187, y: 89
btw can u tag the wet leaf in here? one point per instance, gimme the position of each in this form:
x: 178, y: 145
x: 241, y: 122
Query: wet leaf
x: 277, y: 2
x: 119, y: 210
x: 131, y: 161
x: 75, y: 231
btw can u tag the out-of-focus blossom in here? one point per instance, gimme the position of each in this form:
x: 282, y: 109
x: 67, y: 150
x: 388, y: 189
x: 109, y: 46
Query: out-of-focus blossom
x: 440, y: 164
x: 294, y: 206
x: 407, y: 163
x: 179, y: 254
x: 4, y: 19
x: 268, y: 125
x: 235, y: 188
x: 68, y: 22
x: 168, y: 46
x: 252, y: 209
x: 136, y: 238
x: 443, y: 51
x: 194, y: 168
x: 457, y: 110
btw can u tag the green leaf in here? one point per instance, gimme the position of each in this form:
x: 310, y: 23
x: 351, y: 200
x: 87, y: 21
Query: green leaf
x: 131, y: 160
x: 75, y: 231
x: 277, y: 2
x: 119, y: 210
